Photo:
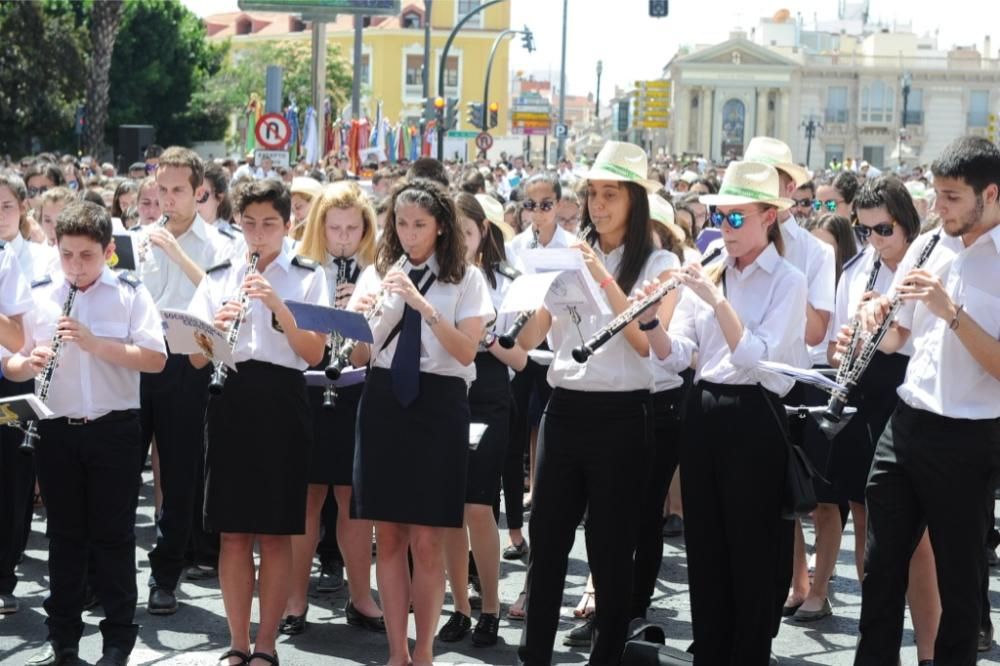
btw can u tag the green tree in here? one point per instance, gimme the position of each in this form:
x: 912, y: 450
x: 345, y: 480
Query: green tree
x: 243, y: 71
x: 41, y: 76
x: 104, y: 20
x: 161, y: 59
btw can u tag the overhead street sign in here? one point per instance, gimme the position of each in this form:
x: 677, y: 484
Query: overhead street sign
x: 462, y: 134
x: 323, y: 9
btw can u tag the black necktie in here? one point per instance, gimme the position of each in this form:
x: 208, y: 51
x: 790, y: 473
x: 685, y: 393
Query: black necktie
x: 405, y: 367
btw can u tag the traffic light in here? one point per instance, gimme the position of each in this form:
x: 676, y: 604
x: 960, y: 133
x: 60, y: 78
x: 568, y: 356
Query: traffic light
x: 439, y: 105
x: 451, y: 115
x: 79, y: 120
x: 429, y: 108
x: 658, y: 8
x: 527, y: 39
x: 991, y: 128
x: 494, y: 113
x: 475, y: 115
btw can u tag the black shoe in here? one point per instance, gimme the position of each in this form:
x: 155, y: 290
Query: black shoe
x: 263, y: 656
x: 113, y: 656
x: 582, y: 636
x: 8, y: 604
x: 331, y: 577
x: 201, y: 572
x: 673, y: 526
x: 243, y: 657
x: 455, y: 629
x: 53, y: 654
x: 485, y: 633
x: 161, y: 602
x: 293, y: 625
x: 516, y: 551
x: 356, y: 618
x: 985, y: 643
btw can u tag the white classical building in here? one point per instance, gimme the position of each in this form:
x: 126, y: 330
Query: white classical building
x: 849, y: 89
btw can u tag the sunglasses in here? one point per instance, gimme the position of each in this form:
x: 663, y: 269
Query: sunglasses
x: 544, y: 206
x: 831, y: 205
x: 884, y: 229
x: 803, y: 203
x: 735, y: 218
x: 36, y: 191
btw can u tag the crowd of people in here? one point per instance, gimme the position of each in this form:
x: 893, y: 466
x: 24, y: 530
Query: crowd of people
x: 672, y: 426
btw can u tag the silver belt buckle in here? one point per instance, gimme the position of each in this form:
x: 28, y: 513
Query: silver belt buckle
x: 77, y: 422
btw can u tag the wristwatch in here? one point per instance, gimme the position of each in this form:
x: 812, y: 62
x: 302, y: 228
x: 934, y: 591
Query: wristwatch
x: 433, y: 319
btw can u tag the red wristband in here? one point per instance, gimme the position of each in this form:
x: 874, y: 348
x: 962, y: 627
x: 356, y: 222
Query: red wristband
x: 606, y: 281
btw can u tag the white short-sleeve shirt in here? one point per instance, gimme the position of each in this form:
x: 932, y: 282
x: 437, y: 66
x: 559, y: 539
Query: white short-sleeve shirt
x: 261, y: 337
x: 117, y: 307
x: 470, y: 297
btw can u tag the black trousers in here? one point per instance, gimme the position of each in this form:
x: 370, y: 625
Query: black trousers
x: 89, y: 476
x: 173, y: 410
x: 931, y: 471
x: 17, y: 490
x: 531, y: 379
x: 649, y: 544
x: 593, y: 454
x: 732, y: 479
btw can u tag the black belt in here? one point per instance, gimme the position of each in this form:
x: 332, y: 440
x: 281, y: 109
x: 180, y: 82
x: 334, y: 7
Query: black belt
x: 111, y: 417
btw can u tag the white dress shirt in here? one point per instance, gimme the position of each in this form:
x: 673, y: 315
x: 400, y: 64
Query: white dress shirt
x: 166, y: 281
x: 942, y: 376
x: 260, y: 337
x: 15, y: 294
x: 851, y: 288
x: 500, y: 322
x: 616, y: 366
x: 83, y: 385
x: 36, y: 260
x: 769, y: 296
x: 454, y: 302
x: 817, y: 261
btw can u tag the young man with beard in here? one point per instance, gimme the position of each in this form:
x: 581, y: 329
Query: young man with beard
x: 940, y: 454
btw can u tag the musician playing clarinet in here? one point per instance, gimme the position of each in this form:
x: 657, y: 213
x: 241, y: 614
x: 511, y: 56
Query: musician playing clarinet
x: 940, y: 454
x: 89, y: 456
x: 594, y: 449
x: 259, y: 430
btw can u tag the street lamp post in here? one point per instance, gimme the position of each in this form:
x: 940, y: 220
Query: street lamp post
x: 597, y: 102
x: 907, y: 80
x: 810, y: 126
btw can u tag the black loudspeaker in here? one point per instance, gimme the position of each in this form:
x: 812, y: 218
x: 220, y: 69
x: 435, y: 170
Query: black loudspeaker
x: 132, y: 143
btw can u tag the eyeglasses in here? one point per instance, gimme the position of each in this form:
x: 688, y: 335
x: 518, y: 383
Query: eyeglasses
x: 735, y: 218
x: 831, y: 205
x: 885, y: 229
x: 803, y: 203
x: 36, y: 191
x: 544, y: 206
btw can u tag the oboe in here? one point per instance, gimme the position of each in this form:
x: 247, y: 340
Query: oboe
x: 856, y: 365
x: 330, y: 392
x: 31, y: 432
x: 221, y: 371
x: 342, y: 357
x: 618, y: 324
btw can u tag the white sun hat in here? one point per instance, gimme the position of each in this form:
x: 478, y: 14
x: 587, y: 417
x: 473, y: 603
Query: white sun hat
x: 767, y: 150
x: 748, y: 183
x: 623, y: 162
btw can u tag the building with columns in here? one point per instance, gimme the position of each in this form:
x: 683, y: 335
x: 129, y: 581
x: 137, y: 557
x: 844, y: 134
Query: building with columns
x: 849, y: 90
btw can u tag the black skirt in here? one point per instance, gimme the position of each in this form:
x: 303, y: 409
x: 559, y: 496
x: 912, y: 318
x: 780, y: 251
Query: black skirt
x: 258, y: 437
x: 489, y: 403
x: 410, y: 462
x: 332, y: 459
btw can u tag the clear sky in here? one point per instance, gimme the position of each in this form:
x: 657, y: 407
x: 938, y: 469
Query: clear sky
x: 634, y: 46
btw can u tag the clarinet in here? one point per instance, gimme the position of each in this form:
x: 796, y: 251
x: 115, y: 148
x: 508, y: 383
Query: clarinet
x: 31, y: 432
x: 618, y: 324
x: 143, y: 251
x: 843, y: 372
x: 342, y: 358
x: 330, y: 392
x: 852, y: 367
x: 221, y: 371
x: 508, y: 338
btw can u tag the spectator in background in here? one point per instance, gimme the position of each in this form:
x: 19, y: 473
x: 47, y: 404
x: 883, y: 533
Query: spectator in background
x: 148, y: 201
x: 53, y: 201
x: 137, y: 170
x: 804, y: 196
x: 124, y: 197
x: 39, y: 178
x: 266, y: 170
x: 152, y: 157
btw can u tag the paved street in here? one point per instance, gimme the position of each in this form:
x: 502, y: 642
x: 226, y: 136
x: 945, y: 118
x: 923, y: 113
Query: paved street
x: 197, y: 633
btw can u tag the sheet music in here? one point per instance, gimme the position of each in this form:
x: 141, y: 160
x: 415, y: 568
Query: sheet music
x: 187, y: 334
x: 808, y: 376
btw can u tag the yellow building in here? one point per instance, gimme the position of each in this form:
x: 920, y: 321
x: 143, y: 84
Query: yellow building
x: 393, y: 52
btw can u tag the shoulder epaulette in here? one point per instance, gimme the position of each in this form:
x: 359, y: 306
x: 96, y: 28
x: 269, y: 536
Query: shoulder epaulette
x: 508, y: 271
x: 850, y: 262
x: 3, y: 244
x: 130, y: 278
x: 235, y: 227
x: 42, y: 281
x: 226, y: 232
x: 218, y: 267
x: 304, y: 262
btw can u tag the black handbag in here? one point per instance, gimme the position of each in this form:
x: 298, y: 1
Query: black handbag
x: 800, y: 494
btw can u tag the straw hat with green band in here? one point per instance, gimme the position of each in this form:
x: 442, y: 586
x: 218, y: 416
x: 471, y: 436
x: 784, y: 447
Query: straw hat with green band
x: 767, y: 150
x: 494, y: 214
x: 748, y: 183
x: 662, y: 211
x: 623, y: 162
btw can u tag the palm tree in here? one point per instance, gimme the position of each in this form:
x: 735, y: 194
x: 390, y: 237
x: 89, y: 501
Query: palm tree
x: 105, y: 18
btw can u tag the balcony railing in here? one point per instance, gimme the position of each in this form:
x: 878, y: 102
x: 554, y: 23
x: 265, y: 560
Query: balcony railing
x: 837, y: 115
